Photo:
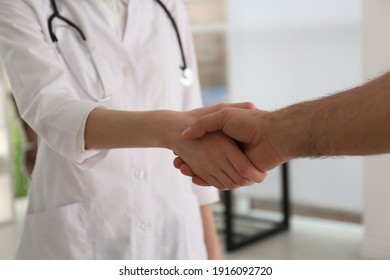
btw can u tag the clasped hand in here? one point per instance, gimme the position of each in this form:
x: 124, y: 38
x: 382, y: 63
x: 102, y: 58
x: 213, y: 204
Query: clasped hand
x: 243, y: 147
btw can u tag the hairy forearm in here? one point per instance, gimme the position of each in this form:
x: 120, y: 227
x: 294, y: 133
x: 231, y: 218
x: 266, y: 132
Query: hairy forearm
x: 354, y: 122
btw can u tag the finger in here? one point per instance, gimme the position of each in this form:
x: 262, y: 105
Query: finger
x: 244, y: 166
x: 222, y: 181
x: 209, y: 123
x: 236, y: 177
x: 223, y: 178
x: 186, y: 170
x: 226, y: 180
x: 241, y: 105
x: 178, y: 162
x: 213, y: 181
x: 223, y: 172
x: 198, y: 181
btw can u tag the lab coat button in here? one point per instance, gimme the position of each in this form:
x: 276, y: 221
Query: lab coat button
x: 139, y: 174
x: 144, y: 226
x: 126, y: 71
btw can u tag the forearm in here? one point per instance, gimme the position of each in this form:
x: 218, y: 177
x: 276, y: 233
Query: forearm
x: 107, y: 129
x: 210, y: 233
x: 354, y: 122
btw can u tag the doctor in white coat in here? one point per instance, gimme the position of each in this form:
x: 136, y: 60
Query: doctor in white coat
x: 100, y: 76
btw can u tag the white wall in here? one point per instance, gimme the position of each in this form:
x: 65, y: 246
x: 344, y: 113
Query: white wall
x: 376, y: 54
x: 285, y: 51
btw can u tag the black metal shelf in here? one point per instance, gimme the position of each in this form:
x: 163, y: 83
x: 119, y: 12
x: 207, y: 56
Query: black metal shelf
x: 234, y: 239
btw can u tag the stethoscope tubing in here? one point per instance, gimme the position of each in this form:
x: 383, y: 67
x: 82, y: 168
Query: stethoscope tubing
x: 186, y: 78
x: 184, y: 66
x: 56, y: 14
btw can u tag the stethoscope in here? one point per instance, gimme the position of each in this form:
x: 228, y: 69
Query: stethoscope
x: 186, y: 77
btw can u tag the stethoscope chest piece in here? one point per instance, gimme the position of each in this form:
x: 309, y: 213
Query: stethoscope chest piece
x: 187, y: 77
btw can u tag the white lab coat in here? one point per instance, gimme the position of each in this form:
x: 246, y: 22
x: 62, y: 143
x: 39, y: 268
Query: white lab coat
x: 116, y: 204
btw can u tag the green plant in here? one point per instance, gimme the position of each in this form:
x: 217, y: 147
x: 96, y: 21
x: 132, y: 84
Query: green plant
x: 20, y: 180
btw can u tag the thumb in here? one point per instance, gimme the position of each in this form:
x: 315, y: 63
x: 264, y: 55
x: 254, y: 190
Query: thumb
x: 209, y: 123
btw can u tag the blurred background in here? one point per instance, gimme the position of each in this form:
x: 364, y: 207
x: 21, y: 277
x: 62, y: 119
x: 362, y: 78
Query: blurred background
x: 273, y: 53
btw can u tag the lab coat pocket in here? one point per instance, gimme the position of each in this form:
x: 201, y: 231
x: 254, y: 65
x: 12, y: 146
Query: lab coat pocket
x: 61, y: 233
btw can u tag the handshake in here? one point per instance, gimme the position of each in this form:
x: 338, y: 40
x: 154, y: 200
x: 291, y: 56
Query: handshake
x: 235, y: 145
x: 229, y: 145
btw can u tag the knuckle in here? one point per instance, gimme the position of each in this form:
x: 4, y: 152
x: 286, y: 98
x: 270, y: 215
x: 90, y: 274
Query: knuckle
x: 244, y: 171
x: 261, y: 180
x: 225, y: 110
x: 245, y: 182
x: 241, y: 182
x: 220, y: 106
x: 249, y: 105
x: 220, y: 186
x: 231, y: 186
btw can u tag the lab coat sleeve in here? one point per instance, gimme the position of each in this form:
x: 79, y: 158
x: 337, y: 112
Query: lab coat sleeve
x: 41, y: 86
x: 206, y: 195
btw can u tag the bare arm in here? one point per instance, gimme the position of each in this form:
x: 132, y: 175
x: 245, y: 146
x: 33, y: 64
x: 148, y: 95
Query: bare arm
x: 210, y: 233
x: 106, y: 129
x: 353, y: 122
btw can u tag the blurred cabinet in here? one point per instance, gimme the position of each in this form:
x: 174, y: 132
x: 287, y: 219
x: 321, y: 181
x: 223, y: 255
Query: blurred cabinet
x: 208, y: 21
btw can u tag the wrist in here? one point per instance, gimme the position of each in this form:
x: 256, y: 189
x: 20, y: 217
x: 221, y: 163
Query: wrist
x: 168, y: 128
x: 284, y: 137
x: 296, y: 131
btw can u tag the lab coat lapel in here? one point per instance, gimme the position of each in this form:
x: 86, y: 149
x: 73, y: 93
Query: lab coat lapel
x: 127, y: 24
x: 133, y: 24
